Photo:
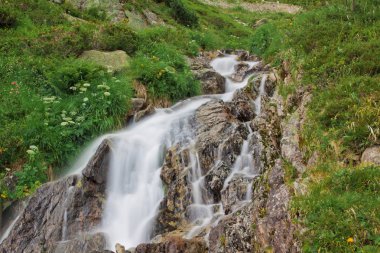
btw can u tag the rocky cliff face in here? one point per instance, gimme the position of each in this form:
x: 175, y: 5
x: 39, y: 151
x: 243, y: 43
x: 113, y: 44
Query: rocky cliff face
x: 58, y: 217
x: 250, y: 210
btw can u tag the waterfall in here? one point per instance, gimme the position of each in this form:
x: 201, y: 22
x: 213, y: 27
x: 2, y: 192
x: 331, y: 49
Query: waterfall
x: 261, y: 92
x: 134, y: 188
x: 134, y: 185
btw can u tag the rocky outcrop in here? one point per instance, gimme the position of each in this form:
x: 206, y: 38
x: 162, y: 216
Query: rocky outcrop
x: 262, y: 222
x: 211, y: 81
x: 59, y: 215
x: 291, y: 127
x: 219, y: 134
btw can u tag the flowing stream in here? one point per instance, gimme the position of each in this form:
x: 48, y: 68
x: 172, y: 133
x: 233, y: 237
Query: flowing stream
x: 134, y: 187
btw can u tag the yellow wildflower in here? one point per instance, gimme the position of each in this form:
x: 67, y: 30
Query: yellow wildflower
x: 350, y: 240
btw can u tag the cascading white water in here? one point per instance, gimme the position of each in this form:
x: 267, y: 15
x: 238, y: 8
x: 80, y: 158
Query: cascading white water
x: 134, y: 188
x: 203, y: 212
x: 134, y: 185
x: 261, y: 92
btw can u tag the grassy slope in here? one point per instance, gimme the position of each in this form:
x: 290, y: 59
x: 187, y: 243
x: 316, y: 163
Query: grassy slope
x: 336, y: 50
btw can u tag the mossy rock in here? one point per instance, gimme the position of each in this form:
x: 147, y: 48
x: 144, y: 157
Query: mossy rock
x: 113, y: 61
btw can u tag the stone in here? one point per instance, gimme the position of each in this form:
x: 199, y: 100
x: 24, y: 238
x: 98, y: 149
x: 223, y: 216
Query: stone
x: 178, y: 197
x: 149, y: 110
x: 242, y: 106
x: 120, y: 248
x: 241, y: 71
x: 135, y: 20
x: 113, y: 61
x: 137, y: 104
x: 371, y: 156
x: 112, y: 8
x: 152, y: 18
x: 212, y: 82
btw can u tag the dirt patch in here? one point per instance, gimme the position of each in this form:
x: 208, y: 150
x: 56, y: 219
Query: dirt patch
x: 258, y: 7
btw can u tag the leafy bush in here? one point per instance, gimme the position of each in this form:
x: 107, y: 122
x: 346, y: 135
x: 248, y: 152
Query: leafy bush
x: 72, y: 72
x: 341, y: 212
x: 118, y: 37
x: 181, y: 13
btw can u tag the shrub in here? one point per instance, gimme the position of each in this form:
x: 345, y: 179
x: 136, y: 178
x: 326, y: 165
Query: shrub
x: 118, y: 37
x: 72, y: 72
x: 181, y: 13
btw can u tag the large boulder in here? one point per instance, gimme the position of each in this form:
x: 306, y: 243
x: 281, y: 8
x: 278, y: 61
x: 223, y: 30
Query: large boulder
x: 220, y: 134
x: 113, y: 61
x: 212, y: 82
x: 58, y: 216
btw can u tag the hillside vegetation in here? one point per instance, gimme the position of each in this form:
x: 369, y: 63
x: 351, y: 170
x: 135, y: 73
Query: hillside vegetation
x: 333, y: 49
x: 53, y: 102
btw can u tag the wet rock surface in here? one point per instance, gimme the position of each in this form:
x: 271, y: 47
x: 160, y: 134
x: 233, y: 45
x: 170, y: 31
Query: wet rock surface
x: 61, y: 211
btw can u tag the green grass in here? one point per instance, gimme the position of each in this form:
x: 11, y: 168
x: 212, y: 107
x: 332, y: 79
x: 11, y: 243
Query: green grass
x: 343, y: 205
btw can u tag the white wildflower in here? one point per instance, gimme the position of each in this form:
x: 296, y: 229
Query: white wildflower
x: 30, y: 152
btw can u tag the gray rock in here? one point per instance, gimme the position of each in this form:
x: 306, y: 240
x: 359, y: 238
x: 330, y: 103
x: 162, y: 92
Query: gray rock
x: 371, y: 155
x: 219, y: 133
x: 241, y: 71
x: 113, y: 61
x: 152, y: 18
x: 212, y: 82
